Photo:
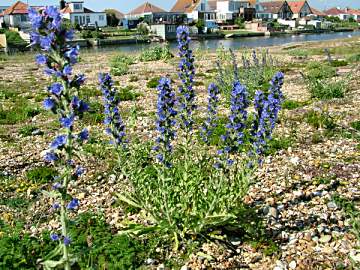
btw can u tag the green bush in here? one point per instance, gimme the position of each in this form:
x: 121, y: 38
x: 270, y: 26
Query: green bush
x: 320, y: 119
x: 41, y: 175
x: 14, y: 40
x: 156, y: 53
x: 153, y: 82
x: 127, y: 93
x: 323, y: 83
x: 120, y: 64
x: 96, y: 246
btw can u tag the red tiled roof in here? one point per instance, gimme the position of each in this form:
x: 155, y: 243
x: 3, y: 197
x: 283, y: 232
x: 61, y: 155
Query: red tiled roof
x: 272, y: 7
x: 185, y: 6
x: 17, y: 8
x: 296, y: 6
x: 351, y: 11
x: 145, y: 8
x: 334, y: 11
x: 317, y: 12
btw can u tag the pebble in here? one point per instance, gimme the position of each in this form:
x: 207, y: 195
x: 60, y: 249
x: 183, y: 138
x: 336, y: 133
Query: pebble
x: 325, y: 239
x: 292, y: 265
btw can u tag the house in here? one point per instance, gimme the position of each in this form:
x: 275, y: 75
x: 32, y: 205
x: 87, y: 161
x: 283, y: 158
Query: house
x: 197, y: 9
x: 273, y: 10
x: 78, y: 14
x: 143, y: 10
x: 337, y: 12
x: 317, y: 13
x: 3, y: 8
x: 354, y: 13
x: 16, y: 15
x: 166, y: 31
x: 229, y: 10
x: 300, y: 9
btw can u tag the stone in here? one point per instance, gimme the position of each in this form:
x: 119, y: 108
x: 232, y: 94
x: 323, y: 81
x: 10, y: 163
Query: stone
x: 273, y: 212
x: 184, y: 267
x: 292, y: 265
x: 325, y: 239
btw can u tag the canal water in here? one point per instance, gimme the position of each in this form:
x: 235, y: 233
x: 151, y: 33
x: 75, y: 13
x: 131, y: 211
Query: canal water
x: 236, y: 43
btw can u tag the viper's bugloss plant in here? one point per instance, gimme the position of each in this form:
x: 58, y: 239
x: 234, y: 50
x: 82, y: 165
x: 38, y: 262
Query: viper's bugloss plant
x: 186, y: 75
x: 212, y: 107
x: 50, y: 35
x: 165, y: 123
x: 113, y: 120
x: 235, y: 134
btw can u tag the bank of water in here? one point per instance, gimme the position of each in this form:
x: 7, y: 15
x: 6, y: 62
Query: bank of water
x: 236, y: 43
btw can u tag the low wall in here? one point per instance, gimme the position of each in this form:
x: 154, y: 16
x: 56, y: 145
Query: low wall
x: 3, y: 42
x: 109, y: 42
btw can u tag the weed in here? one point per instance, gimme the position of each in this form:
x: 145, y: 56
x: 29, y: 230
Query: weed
x: 153, y: 82
x: 20, y: 112
x: 292, y: 104
x: 278, y: 143
x: 320, y: 119
x: 338, y: 63
x: 41, y: 175
x: 120, y: 64
x: 27, y: 130
x: 127, y: 93
x: 133, y: 78
x: 356, y: 125
x: 156, y: 53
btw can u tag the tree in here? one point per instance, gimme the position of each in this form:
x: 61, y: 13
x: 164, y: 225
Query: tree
x: 240, y: 22
x: 200, y: 24
x: 143, y: 29
x: 112, y: 20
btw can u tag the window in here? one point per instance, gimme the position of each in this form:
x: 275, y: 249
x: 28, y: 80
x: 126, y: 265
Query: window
x: 78, y: 6
x: 202, y: 7
x: 77, y: 19
x: 87, y: 19
x: 101, y: 17
x: 23, y: 18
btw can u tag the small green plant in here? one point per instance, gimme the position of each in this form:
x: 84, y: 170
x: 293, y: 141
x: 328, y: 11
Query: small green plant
x: 20, y: 112
x: 323, y: 83
x: 339, y: 63
x: 153, y: 82
x: 120, y: 64
x: 320, y: 119
x: 356, y: 125
x: 156, y: 53
x: 27, y: 130
x: 278, y: 143
x: 127, y: 93
x: 292, y: 104
x: 299, y: 53
x: 41, y: 175
x: 133, y: 78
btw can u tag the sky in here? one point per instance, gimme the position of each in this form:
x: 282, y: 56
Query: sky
x: 127, y: 5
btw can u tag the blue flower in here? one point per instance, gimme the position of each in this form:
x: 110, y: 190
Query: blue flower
x: 67, y: 70
x: 54, y: 237
x: 73, y: 204
x: 67, y: 122
x: 69, y: 35
x: 50, y: 157
x: 72, y: 54
x: 49, y: 104
x: 79, y: 171
x: 165, y: 119
x: 56, y: 206
x: 56, y: 186
x: 56, y: 89
x: 41, y: 59
x: 45, y: 43
x: 35, y: 18
x: 115, y: 125
x: 67, y: 241
x: 186, y: 75
x: 84, y: 134
x: 213, y: 103
x: 59, y: 142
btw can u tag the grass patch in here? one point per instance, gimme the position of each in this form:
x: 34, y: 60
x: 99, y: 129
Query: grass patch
x: 120, y: 64
x: 41, y: 175
x: 156, y: 53
x: 153, y: 82
x: 293, y: 104
x: 20, y: 112
x: 27, y: 130
x: 355, y: 125
x: 127, y: 93
x: 277, y: 144
x: 95, y: 115
x: 319, y: 119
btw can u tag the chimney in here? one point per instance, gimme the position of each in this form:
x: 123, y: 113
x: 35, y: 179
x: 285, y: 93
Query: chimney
x: 62, y: 4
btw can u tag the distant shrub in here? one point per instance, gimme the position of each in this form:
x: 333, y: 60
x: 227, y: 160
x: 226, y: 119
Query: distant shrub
x: 322, y: 81
x: 156, y: 53
x: 120, y: 64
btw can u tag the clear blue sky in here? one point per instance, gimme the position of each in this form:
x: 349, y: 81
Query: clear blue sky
x: 126, y: 5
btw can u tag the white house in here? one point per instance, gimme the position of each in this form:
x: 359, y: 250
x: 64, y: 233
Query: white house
x: 338, y: 12
x: 16, y: 15
x: 300, y: 9
x: 196, y: 9
x: 228, y: 10
x: 78, y: 14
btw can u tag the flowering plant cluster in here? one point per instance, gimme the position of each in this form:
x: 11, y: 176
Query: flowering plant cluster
x: 211, y: 121
x: 165, y: 120
x: 186, y: 75
x: 115, y: 125
x: 58, y: 58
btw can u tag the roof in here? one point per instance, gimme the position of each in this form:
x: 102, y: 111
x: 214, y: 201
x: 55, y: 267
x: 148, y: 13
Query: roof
x: 296, y: 6
x: 118, y: 14
x: 145, y: 8
x: 68, y: 9
x: 185, y: 6
x: 317, y: 12
x: 17, y: 8
x: 334, y: 11
x: 352, y: 11
x: 272, y: 7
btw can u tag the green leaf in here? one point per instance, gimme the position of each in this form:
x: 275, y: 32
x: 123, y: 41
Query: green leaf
x: 128, y: 200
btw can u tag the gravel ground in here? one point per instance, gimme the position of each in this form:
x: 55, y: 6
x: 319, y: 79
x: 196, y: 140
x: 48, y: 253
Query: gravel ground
x: 295, y: 188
